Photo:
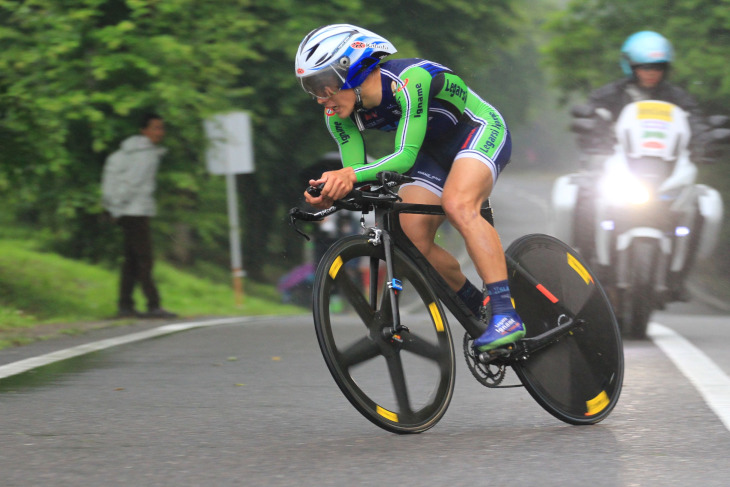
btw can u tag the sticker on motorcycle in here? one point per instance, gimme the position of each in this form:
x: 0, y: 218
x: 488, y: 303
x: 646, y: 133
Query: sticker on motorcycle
x: 655, y: 110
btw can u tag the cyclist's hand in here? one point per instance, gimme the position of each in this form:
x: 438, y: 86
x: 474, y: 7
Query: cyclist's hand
x: 320, y: 202
x: 336, y: 186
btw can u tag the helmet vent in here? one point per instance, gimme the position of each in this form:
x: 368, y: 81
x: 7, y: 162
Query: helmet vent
x: 311, y: 51
x: 324, y: 59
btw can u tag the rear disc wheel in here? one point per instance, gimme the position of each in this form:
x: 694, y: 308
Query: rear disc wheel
x: 579, y: 378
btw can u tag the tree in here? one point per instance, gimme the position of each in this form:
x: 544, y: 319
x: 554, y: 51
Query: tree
x: 583, y: 52
x: 75, y: 75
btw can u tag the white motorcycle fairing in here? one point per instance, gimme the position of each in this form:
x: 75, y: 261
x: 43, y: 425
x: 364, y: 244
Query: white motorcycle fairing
x: 645, y: 214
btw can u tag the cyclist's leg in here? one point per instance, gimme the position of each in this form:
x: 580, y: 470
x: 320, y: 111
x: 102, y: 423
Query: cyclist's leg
x: 467, y: 187
x: 421, y: 229
x: 469, y: 183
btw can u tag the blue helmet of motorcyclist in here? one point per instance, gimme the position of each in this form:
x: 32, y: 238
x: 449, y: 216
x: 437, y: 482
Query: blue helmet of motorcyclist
x: 646, y: 57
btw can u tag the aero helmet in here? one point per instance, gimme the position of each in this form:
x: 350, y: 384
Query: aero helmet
x: 338, y: 56
x: 645, y: 47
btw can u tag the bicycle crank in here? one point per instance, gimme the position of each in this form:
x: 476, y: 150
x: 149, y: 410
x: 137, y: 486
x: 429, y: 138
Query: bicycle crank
x: 487, y: 373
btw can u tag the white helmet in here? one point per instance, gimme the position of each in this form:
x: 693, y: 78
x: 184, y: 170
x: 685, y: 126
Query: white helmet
x: 338, y: 56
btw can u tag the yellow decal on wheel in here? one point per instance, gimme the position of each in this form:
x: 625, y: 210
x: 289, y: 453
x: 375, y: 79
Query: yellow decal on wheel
x: 390, y: 416
x: 597, y: 404
x: 436, y: 316
x: 578, y: 267
x: 335, y: 267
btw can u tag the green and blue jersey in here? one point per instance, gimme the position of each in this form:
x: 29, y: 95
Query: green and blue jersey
x: 428, y: 106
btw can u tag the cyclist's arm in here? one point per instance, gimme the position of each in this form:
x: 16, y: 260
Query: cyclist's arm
x: 412, y: 96
x: 348, y: 138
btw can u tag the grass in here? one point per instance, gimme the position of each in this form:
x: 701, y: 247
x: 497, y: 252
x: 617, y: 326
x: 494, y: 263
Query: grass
x: 40, y: 289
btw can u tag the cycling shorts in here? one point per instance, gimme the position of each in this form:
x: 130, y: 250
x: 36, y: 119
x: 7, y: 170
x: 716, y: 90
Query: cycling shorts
x: 471, y: 138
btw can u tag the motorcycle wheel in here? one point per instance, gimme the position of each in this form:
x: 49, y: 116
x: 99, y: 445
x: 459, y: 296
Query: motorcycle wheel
x: 584, y: 235
x: 639, y: 301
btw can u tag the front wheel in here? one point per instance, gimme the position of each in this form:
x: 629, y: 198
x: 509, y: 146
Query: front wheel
x: 638, y: 303
x: 404, y: 383
x: 577, y: 379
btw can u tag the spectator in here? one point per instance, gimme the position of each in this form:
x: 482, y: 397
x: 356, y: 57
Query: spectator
x: 128, y: 186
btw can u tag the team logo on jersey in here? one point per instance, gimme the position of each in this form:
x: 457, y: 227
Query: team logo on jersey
x: 395, y: 88
x: 329, y: 112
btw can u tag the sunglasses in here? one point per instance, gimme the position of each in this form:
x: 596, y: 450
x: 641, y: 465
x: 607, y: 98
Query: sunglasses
x: 652, y: 66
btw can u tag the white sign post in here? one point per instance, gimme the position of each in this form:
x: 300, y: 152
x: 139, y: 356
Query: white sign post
x: 230, y: 152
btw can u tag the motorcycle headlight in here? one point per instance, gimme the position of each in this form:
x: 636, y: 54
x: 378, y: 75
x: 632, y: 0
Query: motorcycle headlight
x: 624, y: 189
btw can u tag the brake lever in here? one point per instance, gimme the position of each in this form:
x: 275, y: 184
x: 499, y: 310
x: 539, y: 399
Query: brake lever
x: 392, y: 193
x: 293, y: 213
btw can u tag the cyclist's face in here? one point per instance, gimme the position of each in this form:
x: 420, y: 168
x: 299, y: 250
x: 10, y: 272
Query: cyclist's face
x: 341, y: 103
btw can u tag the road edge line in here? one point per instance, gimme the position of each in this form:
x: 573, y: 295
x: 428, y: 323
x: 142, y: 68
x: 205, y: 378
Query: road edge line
x: 711, y: 381
x: 15, y: 368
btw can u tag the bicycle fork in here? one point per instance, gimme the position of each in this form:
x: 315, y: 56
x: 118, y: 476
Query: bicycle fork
x: 394, y: 286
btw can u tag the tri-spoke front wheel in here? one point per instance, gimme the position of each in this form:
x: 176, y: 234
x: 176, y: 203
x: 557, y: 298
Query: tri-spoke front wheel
x: 402, y: 383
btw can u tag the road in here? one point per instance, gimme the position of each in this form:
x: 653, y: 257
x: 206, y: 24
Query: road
x: 251, y: 402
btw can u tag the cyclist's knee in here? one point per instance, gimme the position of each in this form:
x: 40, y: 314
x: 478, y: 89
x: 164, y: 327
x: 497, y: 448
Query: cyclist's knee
x: 423, y: 242
x: 460, y: 211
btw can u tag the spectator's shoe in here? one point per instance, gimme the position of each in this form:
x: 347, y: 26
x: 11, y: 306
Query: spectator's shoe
x: 159, y: 313
x: 128, y: 313
x: 502, y: 330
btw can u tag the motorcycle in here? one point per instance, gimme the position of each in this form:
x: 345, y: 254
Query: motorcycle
x: 637, y: 215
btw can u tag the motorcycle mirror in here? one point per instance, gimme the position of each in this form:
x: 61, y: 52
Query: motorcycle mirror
x: 604, y: 114
x: 582, y: 111
x: 720, y: 135
x: 722, y: 121
x: 583, y: 125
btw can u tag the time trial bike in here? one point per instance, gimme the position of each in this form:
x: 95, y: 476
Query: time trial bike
x: 378, y: 309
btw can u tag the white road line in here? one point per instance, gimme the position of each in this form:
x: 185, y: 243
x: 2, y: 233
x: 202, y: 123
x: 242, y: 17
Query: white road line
x: 21, y: 366
x: 712, y: 382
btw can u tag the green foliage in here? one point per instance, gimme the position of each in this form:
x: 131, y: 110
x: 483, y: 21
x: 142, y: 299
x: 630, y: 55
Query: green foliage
x: 587, y: 36
x: 48, y: 288
x: 77, y: 74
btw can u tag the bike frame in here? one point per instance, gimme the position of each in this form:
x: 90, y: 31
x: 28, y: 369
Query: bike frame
x: 391, y: 233
x: 388, y: 220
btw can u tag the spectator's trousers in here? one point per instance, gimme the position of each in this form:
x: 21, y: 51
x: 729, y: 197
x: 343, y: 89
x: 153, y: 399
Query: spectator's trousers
x: 138, y: 260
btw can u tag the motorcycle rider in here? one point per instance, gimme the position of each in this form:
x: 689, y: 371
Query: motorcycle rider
x: 646, y: 60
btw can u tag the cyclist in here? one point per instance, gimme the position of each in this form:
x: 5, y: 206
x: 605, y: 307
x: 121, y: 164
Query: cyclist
x: 448, y: 139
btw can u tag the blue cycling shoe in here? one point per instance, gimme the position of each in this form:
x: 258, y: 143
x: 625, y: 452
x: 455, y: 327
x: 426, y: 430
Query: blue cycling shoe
x: 502, y: 330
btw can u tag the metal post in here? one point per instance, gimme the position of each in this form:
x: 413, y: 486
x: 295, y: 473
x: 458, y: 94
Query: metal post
x: 235, y: 237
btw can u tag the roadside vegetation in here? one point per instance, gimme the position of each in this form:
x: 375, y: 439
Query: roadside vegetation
x: 50, y: 295
x: 76, y: 75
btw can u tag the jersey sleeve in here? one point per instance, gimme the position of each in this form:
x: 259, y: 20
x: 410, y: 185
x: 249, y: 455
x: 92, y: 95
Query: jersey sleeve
x: 411, y: 94
x: 349, y: 140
